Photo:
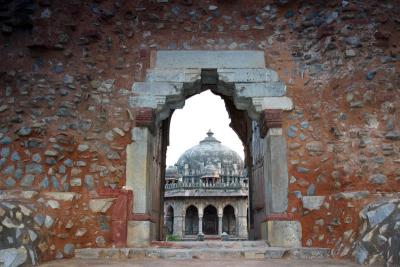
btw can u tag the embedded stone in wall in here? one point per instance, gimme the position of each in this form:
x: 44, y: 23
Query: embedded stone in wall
x: 313, y: 202
x: 100, y: 205
x: 13, y: 257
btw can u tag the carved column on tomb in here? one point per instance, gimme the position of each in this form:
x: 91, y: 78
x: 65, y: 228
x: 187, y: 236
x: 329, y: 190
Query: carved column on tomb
x: 200, y: 212
x: 220, y: 224
x: 179, y: 221
x: 241, y: 217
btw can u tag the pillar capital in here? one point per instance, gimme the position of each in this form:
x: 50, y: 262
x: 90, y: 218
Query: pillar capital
x: 270, y: 118
x: 145, y: 117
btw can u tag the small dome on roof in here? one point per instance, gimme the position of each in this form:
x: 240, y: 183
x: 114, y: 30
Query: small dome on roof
x: 211, y: 171
x: 171, y: 172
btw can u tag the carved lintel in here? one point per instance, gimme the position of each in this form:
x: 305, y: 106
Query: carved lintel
x: 270, y: 118
x: 145, y: 117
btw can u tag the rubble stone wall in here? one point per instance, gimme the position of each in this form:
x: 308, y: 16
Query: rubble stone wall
x: 66, y: 73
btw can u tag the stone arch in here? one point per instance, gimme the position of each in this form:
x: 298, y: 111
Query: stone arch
x: 229, y: 220
x: 169, y: 220
x: 210, y: 220
x: 191, y: 220
x: 255, y: 99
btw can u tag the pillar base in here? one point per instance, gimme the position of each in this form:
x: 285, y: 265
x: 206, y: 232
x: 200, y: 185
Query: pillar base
x: 140, y: 233
x: 282, y: 233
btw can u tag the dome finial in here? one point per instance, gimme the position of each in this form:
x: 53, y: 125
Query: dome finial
x: 210, y: 133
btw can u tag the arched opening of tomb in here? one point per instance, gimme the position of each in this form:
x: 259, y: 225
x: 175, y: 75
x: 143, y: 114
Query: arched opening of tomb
x: 206, y: 167
x: 210, y: 220
x: 191, y: 221
x: 169, y: 220
x: 229, y: 220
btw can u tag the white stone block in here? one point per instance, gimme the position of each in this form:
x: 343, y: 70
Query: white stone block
x: 282, y: 233
x: 173, y: 75
x: 63, y: 196
x: 100, y: 205
x: 265, y: 89
x: 209, y: 59
x: 157, y: 88
x: 147, y: 101
x: 284, y: 103
x: 139, y: 233
x: 247, y: 75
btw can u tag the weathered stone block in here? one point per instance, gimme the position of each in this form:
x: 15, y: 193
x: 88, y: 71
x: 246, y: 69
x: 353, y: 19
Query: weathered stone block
x: 173, y: 75
x: 284, y: 103
x: 157, y: 88
x: 139, y: 233
x: 100, y: 205
x: 266, y: 89
x: 247, y: 75
x: 210, y: 59
x: 282, y: 233
x: 63, y: 196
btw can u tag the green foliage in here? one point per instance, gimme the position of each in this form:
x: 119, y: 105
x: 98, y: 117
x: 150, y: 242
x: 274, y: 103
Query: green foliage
x: 173, y: 238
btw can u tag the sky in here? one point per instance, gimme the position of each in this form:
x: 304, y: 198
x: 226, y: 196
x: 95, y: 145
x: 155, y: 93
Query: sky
x: 189, y: 125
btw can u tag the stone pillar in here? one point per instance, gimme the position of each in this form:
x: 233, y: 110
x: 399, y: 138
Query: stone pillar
x: 281, y: 232
x: 219, y: 224
x: 241, y: 226
x: 142, y: 226
x: 179, y: 221
x: 278, y: 231
x: 183, y: 230
x: 200, y: 224
x: 275, y: 162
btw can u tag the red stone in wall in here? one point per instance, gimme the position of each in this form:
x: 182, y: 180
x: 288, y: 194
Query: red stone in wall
x: 120, y: 213
x: 144, y: 117
x: 270, y: 118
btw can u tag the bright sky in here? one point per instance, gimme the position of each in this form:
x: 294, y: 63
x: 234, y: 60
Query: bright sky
x: 189, y: 125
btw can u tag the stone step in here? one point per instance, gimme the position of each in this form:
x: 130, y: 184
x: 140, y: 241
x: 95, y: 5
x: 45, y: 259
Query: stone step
x: 210, y: 244
x: 203, y: 253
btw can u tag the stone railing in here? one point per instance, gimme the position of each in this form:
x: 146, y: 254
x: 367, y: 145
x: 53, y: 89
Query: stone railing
x: 208, y: 186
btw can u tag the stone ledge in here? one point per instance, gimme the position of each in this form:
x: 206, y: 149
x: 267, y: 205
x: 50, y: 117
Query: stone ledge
x: 261, y: 103
x: 209, y: 59
x: 264, y: 89
x: 204, y: 253
x: 173, y: 75
x: 247, y: 75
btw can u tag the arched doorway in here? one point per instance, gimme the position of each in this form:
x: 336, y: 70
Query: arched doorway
x: 255, y: 99
x: 210, y: 220
x: 229, y: 220
x: 169, y: 220
x: 192, y: 221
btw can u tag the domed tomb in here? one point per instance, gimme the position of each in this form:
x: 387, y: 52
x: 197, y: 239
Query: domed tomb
x: 209, y: 159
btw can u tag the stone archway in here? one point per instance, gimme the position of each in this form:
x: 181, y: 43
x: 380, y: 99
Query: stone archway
x: 229, y: 220
x: 210, y: 220
x: 191, y: 221
x: 255, y: 99
x: 169, y: 220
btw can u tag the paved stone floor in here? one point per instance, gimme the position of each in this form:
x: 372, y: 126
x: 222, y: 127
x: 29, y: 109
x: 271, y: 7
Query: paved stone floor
x: 199, y: 263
